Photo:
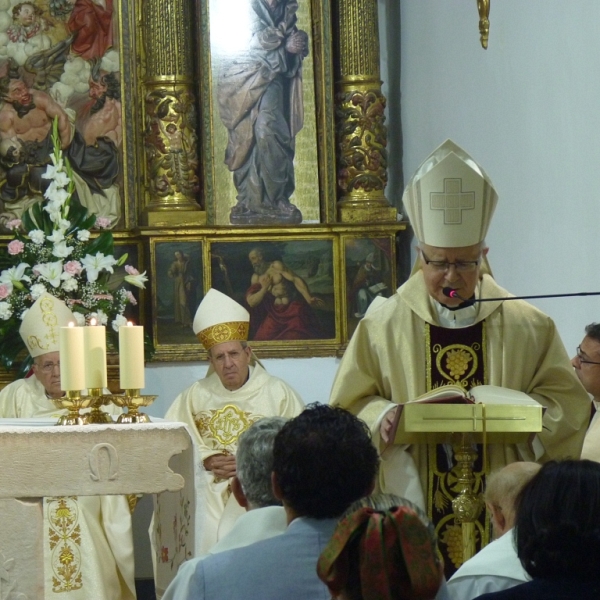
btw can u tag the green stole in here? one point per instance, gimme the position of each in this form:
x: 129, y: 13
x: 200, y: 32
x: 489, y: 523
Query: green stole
x: 454, y: 356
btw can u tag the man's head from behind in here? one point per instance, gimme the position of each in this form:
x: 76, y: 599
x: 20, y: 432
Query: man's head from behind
x: 587, y: 360
x: 501, y: 493
x: 323, y: 461
x: 251, y: 485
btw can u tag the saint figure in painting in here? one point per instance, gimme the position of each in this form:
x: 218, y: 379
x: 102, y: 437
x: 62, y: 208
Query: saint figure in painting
x: 260, y: 104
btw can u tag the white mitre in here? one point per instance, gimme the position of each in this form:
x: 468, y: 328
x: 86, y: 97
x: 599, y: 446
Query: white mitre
x: 220, y: 319
x: 450, y: 199
x: 41, y: 324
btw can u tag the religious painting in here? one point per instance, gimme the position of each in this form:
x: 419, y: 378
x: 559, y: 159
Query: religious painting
x: 60, y: 64
x: 287, y: 285
x: 177, y: 289
x: 268, y: 119
x: 369, y: 267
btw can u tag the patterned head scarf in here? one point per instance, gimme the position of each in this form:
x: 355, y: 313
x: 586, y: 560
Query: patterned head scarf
x: 393, y: 551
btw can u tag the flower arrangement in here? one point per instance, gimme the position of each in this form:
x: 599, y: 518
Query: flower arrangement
x: 53, y: 251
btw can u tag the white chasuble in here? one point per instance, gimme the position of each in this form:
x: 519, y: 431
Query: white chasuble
x: 216, y: 418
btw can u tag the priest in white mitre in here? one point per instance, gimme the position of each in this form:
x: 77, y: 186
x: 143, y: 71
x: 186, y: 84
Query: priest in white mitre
x: 236, y: 392
x: 421, y: 339
x: 93, y: 532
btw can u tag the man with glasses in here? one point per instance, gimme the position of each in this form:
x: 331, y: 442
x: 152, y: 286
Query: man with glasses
x: 434, y: 331
x: 92, y: 533
x: 587, y: 367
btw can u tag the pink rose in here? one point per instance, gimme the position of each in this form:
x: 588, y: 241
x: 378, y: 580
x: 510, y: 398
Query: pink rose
x: 5, y: 290
x: 103, y: 222
x: 131, y: 270
x: 73, y: 267
x: 13, y: 224
x: 16, y: 247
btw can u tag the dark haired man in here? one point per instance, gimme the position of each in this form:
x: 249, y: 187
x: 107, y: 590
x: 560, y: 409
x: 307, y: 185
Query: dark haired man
x: 587, y: 368
x: 314, y: 493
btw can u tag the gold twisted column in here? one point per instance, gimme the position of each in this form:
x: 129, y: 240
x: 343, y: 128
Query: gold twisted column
x: 360, y: 129
x: 170, y: 120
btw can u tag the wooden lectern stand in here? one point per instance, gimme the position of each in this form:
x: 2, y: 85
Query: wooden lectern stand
x: 89, y: 460
x: 462, y: 425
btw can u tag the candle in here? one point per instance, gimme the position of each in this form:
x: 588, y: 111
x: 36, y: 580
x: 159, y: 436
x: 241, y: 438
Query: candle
x: 94, y: 340
x: 72, y: 358
x: 131, y: 354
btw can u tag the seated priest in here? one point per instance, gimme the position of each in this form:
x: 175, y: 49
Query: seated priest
x: 94, y: 532
x: 236, y: 392
x: 421, y: 339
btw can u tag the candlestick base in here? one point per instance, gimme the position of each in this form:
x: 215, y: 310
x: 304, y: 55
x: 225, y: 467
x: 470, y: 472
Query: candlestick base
x: 74, y: 402
x: 98, y: 400
x: 132, y: 400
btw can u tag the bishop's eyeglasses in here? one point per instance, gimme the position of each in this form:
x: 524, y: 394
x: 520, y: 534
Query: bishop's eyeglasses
x: 462, y: 266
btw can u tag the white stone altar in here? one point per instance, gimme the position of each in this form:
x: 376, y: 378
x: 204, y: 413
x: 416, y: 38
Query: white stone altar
x: 42, y: 460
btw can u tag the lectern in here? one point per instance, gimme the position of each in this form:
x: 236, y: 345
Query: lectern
x: 461, y: 426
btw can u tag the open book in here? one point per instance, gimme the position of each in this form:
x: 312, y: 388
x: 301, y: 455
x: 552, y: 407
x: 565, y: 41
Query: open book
x: 443, y: 410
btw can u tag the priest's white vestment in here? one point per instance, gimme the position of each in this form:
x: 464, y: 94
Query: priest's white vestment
x: 216, y: 418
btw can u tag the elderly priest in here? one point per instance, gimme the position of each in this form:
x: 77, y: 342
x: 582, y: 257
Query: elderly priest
x: 420, y: 339
x: 236, y: 392
x: 88, y: 543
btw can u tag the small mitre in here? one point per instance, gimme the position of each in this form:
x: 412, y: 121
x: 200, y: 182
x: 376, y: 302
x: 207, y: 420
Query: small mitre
x: 450, y: 199
x: 220, y: 319
x: 41, y: 324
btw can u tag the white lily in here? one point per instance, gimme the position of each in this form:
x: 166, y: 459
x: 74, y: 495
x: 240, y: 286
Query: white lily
x: 138, y: 280
x: 56, y: 237
x: 52, y: 170
x: 51, y: 272
x: 94, y: 264
x: 61, y: 250
x: 56, y: 193
x: 15, y: 275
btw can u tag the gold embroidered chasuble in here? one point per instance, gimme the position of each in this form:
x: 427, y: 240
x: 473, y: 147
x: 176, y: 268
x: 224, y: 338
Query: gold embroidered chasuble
x: 88, y: 540
x: 216, y: 418
x: 386, y: 363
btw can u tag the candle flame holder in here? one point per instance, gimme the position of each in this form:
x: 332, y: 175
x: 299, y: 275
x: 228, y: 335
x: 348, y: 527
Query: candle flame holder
x: 98, y: 400
x: 74, y: 402
x: 132, y: 400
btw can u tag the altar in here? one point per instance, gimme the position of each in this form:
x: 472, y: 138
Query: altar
x: 42, y: 460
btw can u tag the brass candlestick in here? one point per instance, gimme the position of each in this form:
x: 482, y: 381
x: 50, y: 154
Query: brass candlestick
x: 132, y: 400
x: 98, y: 400
x: 73, y: 401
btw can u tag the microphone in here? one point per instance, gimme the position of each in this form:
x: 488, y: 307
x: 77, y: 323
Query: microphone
x: 452, y: 293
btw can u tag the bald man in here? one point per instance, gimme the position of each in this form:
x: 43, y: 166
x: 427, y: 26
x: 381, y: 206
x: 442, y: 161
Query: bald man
x: 496, y: 567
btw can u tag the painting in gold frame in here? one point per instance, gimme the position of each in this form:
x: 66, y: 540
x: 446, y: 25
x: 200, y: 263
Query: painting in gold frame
x: 177, y: 289
x: 286, y: 283
x: 229, y: 71
x: 68, y: 60
x: 369, y: 267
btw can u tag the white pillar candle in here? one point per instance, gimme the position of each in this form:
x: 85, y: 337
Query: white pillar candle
x: 131, y: 355
x: 94, y: 339
x: 72, y: 358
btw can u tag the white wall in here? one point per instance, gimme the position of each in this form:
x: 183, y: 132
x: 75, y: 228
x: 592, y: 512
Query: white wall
x: 527, y: 110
